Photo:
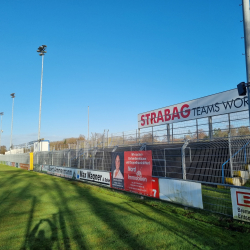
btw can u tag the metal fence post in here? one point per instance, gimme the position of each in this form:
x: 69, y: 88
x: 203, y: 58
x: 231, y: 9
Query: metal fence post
x: 69, y: 159
x: 197, y: 130
x: 172, y: 133
x: 230, y: 154
x: 139, y: 134
x: 229, y: 124
x: 108, y: 138
x: 210, y: 128
x: 183, y: 159
x: 152, y: 135
x: 168, y: 133
x: 79, y: 159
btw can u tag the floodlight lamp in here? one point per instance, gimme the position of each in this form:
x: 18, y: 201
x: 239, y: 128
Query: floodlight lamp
x: 1, y: 113
x: 41, y: 54
x: 44, y: 46
x: 12, y: 95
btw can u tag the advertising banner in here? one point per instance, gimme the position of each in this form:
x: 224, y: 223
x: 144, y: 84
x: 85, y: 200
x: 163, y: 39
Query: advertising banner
x: 241, y: 204
x: 138, y: 172
x: 24, y: 166
x: 155, y: 188
x: 117, y: 170
x: 65, y: 172
x: 37, y: 167
x: 217, y: 104
x: 61, y: 171
x: 13, y: 164
x: 51, y: 169
x: 44, y: 168
x: 183, y: 192
x: 96, y: 176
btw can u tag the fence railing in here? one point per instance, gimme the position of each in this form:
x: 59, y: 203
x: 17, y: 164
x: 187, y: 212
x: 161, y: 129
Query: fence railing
x: 204, y: 129
x: 205, y: 162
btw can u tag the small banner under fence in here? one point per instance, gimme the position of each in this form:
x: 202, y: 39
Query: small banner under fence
x: 95, y: 176
x: 186, y: 193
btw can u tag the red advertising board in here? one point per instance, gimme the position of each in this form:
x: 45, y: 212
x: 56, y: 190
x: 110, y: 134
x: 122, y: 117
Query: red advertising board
x: 155, y: 188
x: 243, y: 199
x: 138, y: 172
x: 24, y: 166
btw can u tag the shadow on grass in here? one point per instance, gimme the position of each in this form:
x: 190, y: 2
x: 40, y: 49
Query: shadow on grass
x: 194, y: 233
x: 105, y: 211
x: 61, y: 202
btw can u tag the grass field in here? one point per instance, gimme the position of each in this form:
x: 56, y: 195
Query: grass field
x: 39, y: 211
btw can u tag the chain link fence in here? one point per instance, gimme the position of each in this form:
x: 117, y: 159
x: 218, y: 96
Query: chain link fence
x: 214, y: 152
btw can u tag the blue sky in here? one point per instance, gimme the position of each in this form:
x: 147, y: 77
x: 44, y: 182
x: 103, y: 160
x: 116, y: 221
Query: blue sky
x: 120, y: 57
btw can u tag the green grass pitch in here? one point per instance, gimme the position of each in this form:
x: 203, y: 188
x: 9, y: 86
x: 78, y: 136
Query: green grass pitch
x: 38, y: 211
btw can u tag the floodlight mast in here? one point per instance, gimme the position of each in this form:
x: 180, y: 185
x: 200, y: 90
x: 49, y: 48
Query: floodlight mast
x: 246, y: 23
x: 13, y: 97
x: 1, y: 128
x: 41, y: 51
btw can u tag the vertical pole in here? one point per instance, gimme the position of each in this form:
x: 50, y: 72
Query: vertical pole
x: 246, y: 23
x: 168, y: 133
x: 152, y: 135
x: 183, y: 159
x: 245, y: 155
x: 210, y: 128
x: 229, y: 124
x: 136, y: 136
x: 230, y: 154
x: 68, y: 159
x: 12, y: 123
x: 40, y: 109
x: 172, y: 133
x: 108, y: 138
x: 197, y: 130
x: 79, y: 158
x: 111, y: 140
x: 139, y: 134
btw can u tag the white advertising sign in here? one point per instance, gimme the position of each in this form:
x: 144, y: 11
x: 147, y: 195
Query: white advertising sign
x: 241, y: 204
x: 91, y: 175
x: 62, y: 172
x: 217, y: 104
x: 186, y: 193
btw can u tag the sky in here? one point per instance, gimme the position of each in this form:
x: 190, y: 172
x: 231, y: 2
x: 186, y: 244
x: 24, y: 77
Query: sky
x: 119, y: 57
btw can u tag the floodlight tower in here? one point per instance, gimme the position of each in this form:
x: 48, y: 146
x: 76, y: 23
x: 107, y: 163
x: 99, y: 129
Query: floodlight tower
x: 1, y: 131
x: 12, y: 96
x: 41, y: 51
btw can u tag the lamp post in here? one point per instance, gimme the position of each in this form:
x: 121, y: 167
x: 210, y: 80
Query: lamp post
x: 41, y: 51
x: 1, y: 131
x: 12, y: 96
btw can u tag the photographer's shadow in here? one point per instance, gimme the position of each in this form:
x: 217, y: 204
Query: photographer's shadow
x: 37, y: 238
